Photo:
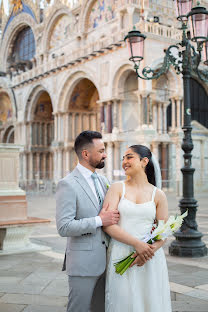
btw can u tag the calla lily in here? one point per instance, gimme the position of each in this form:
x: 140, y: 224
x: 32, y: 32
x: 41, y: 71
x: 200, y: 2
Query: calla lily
x: 162, y: 231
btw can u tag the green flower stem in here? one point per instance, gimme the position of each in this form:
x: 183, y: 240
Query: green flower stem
x: 122, y: 264
x: 124, y: 258
x: 127, y: 266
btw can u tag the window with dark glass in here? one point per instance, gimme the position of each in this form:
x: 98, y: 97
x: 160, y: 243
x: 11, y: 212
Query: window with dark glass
x: 24, y: 46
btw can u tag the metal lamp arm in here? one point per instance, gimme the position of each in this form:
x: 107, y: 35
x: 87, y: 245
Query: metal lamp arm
x: 169, y: 59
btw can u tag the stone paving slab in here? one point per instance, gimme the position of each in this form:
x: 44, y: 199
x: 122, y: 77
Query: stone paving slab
x: 57, y: 287
x: 203, y: 287
x: 30, y: 289
x: 11, y: 307
x: 35, y: 308
x: 33, y: 300
x: 187, y: 306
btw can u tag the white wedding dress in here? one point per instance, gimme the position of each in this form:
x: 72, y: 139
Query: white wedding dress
x: 139, y: 289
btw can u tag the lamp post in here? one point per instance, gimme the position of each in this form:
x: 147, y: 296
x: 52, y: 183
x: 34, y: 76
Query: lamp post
x: 185, y: 58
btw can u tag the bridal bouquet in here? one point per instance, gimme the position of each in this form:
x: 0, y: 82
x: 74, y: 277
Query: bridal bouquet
x: 162, y: 231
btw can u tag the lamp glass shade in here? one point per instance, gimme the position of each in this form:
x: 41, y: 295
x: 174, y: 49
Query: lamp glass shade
x: 205, y: 53
x: 135, y: 44
x: 183, y: 7
x: 199, y: 24
x: 136, y: 48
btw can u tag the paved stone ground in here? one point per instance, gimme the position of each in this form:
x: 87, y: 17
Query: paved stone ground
x: 33, y: 282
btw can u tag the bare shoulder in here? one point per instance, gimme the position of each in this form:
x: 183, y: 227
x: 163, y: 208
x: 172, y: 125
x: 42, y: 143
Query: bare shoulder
x: 116, y: 187
x: 160, y: 196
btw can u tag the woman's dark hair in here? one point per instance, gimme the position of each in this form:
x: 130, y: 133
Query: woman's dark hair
x: 84, y: 139
x: 144, y: 151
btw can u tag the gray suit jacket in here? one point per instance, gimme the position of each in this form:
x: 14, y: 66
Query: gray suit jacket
x: 76, y: 209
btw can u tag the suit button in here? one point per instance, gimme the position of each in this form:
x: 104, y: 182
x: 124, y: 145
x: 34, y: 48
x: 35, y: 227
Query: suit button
x: 103, y: 242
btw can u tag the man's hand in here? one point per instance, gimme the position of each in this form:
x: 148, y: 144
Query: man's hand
x: 109, y: 217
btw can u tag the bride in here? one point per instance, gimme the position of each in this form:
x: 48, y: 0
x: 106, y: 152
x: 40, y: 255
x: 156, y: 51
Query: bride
x: 144, y: 287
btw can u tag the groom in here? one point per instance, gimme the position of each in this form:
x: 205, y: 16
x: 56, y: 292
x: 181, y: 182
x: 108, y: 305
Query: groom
x: 80, y: 218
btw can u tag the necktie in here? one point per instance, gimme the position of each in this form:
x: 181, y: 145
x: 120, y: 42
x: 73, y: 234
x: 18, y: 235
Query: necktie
x: 97, y: 188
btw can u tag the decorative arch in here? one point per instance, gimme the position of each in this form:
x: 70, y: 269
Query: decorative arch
x: 55, y: 14
x: 31, y: 101
x: 121, y: 73
x: 68, y: 87
x: 8, y: 134
x: 4, y: 87
x: 24, y: 9
x: 85, y: 13
x: 17, y: 24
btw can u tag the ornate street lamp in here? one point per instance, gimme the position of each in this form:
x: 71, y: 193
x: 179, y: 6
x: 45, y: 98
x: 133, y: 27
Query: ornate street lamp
x: 186, y: 61
x: 183, y: 7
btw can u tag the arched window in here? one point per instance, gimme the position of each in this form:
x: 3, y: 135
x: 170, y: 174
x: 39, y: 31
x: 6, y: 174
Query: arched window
x: 24, y: 45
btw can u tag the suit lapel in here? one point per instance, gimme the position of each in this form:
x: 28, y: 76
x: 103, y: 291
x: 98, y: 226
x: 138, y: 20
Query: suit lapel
x: 86, y: 188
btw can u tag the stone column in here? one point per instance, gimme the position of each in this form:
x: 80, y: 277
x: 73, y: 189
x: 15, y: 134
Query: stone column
x: 55, y: 127
x: 165, y: 116
x: 67, y: 160
x: 38, y: 134
x: 66, y: 127
x: 115, y: 116
x: 150, y: 110
x: 102, y: 117
x: 79, y: 123
x: 37, y: 175
x: 155, y: 149
x: 110, y: 161
x: 30, y: 163
x: 109, y: 117
x: 43, y: 166
x: 73, y: 126
x: 173, y: 114
x: 164, y: 162
x: 130, y: 11
x: 55, y: 165
x: 144, y: 109
x: 59, y: 164
x: 120, y: 126
x: 50, y: 174
x: 59, y: 126
x: 155, y: 116
x: 159, y: 119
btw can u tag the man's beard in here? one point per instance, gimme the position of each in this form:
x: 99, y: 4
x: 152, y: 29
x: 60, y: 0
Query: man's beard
x: 99, y: 165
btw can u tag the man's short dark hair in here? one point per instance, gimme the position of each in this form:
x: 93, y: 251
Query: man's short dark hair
x: 84, y: 139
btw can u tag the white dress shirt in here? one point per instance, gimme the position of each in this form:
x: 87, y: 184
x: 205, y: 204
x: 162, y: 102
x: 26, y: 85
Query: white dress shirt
x: 87, y: 174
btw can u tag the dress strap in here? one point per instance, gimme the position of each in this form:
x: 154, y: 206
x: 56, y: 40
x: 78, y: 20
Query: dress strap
x: 153, y: 193
x: 124, y: 190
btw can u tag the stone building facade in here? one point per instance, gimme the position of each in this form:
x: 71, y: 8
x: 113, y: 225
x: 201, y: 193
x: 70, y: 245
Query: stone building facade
x: 64, y: 68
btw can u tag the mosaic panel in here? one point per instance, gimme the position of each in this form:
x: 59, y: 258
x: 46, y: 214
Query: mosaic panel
x: 61, y: 31
x: 5, y: 109
x: 102, y: 12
